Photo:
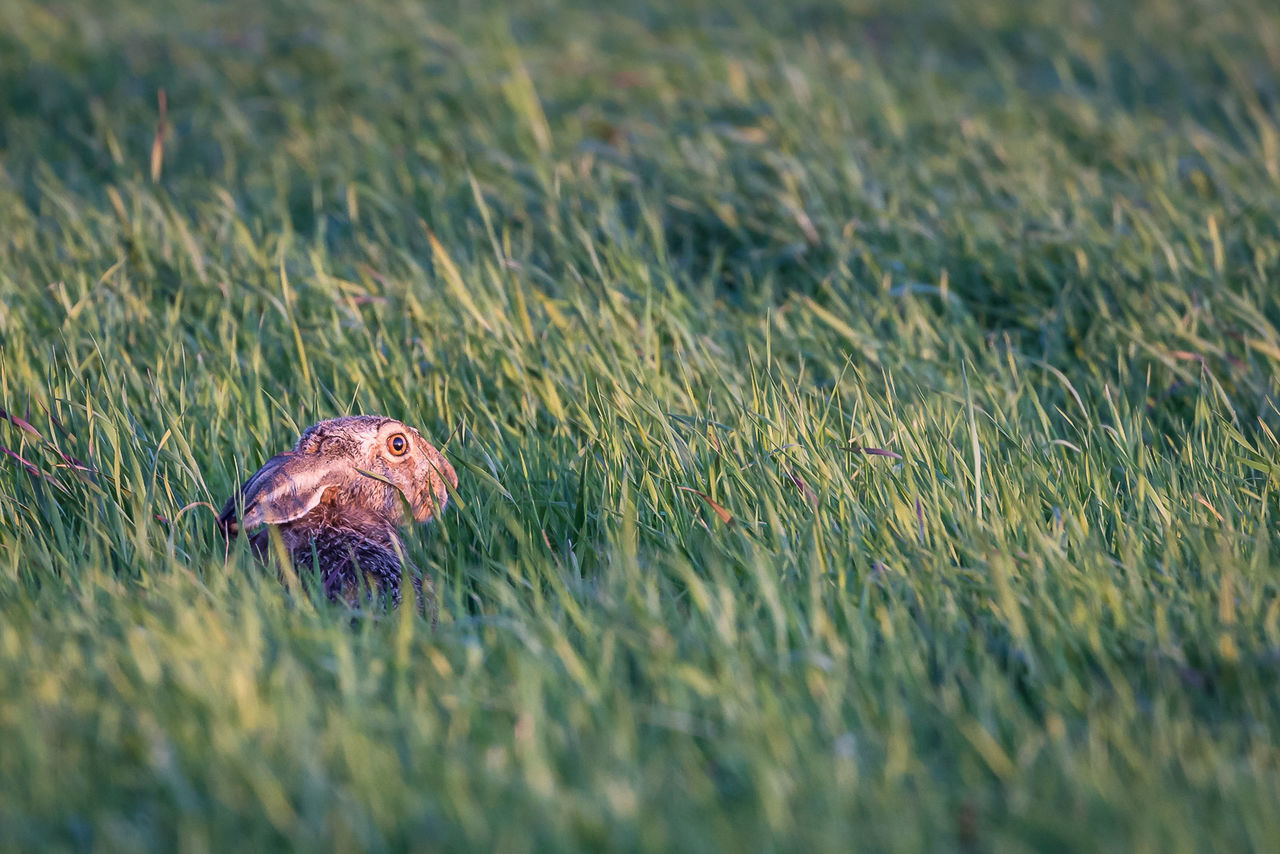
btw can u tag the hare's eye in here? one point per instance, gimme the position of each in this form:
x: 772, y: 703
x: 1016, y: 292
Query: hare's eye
x: 398, y: 445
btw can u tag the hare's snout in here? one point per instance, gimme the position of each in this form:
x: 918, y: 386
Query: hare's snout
x: 433, y: 489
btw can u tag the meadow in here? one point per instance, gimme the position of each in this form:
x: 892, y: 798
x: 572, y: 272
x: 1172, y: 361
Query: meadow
x: 865, y: 413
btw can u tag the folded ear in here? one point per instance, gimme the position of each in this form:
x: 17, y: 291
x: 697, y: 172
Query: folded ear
x: 287, y: 487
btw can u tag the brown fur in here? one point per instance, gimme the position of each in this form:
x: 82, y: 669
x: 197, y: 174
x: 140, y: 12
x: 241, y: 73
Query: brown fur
x: 337, y: 500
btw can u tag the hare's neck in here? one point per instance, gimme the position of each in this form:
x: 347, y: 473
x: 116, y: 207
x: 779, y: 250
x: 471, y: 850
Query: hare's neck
x: 363, y: 522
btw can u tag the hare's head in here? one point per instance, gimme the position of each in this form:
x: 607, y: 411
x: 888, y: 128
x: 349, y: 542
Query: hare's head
x: 366, y: 466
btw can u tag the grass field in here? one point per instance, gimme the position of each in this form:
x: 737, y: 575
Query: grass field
x: 866, y: 416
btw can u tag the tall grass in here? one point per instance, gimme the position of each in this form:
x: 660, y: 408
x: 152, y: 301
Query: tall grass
x: 866, y: 419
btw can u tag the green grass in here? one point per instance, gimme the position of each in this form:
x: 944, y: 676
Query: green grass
x: 661, y: 272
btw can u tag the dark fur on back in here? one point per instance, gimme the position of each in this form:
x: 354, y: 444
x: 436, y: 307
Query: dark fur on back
x: 356, y: 555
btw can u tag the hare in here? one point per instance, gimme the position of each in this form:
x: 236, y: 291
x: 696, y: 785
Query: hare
x: 337, y: 500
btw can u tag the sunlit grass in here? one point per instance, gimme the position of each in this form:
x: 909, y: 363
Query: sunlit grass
x: 866, y: 423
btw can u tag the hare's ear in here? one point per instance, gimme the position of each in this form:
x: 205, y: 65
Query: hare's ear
x: 287, y: 487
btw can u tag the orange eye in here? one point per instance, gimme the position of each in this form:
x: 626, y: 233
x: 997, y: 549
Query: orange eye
x: 398, y: 445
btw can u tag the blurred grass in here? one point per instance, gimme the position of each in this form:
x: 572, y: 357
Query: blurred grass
x: 964, y: 316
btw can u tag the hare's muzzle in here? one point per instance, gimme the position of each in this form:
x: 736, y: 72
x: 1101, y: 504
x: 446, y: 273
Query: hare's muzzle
x: 434, y: 493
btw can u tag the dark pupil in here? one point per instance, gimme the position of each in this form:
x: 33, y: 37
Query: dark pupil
x: 397, y: 444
